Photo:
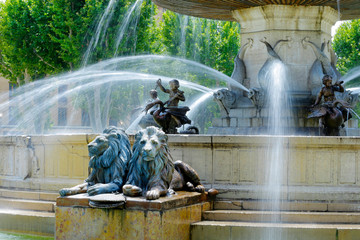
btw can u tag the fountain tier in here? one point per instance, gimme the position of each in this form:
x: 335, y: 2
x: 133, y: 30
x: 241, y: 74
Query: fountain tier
x: 298, y: 35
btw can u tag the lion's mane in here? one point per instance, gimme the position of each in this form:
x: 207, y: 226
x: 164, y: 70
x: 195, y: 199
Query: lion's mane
x: 110, y: 166
x: 147, y: 174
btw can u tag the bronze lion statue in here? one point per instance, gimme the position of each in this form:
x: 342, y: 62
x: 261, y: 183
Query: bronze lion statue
x: 109, y: 155
x: 152, y: 172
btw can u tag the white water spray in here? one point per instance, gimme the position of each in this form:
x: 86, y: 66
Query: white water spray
x: 279, y: 114
x: 136, y: 7
x: 101, y: 28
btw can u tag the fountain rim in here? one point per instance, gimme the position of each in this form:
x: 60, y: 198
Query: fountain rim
x: 223, y: 9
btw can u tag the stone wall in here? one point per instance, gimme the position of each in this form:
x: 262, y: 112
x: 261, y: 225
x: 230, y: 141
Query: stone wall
x: 315, y: 168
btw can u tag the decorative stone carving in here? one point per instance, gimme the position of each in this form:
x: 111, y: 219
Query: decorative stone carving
x: 226, y: 99
x: 321, y: 66
x: 281, y: 42
x: 257, y: 97
x: 264, y: 71
x: 239, y: 72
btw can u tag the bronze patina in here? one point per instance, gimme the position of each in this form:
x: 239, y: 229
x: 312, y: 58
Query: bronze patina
x: 332, y: 112
x: 109, y: 153
x: 169, y: 115
x: 152, y: 172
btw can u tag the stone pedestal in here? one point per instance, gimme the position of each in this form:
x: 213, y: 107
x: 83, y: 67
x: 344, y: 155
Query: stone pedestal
x: 166, y: 218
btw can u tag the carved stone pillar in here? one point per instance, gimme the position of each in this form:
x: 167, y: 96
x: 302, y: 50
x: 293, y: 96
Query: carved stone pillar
x: 285, y: 27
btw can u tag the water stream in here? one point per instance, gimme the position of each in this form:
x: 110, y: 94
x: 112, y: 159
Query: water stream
x: 100, y: 31
x: 105, y: 90
x: 136, y: 7
x: 279, y: 107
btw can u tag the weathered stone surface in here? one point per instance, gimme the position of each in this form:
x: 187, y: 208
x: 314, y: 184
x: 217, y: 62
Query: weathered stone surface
x: 319, y: 168
x: 180, y: 199
x: 165, y: 218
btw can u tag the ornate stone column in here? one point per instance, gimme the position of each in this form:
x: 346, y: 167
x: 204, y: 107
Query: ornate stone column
x: 285, y: 27
x: 300, y: 36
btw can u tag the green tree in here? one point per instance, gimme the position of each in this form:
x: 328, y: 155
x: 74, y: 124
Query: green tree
x: 346, y: 44
x: 19, y: 30
x: 213, y: 43
x: 67, y: 29
x: 40, y: 38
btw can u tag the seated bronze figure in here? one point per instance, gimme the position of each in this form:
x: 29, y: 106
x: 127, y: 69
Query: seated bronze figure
x: 332, y: 112
x: 168, y: 115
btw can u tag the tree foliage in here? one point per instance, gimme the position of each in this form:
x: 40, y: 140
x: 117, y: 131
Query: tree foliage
x: 346, y: 44
x: 39, y: 38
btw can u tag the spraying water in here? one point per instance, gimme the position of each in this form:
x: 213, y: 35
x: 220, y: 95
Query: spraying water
x: 353, y: 74
x: 178, y: 68
x: 99, y: 93
x: 279, y: 114
x: 136, y: 7
x: 183, y: 25
x: 101, y: 28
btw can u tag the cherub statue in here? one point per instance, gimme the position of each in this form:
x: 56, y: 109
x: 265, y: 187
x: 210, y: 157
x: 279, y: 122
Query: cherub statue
x: 152, y: 105
x: 170, y: 116
x: 332, y: 112
x: 328, y: 91
x: 154, y: 98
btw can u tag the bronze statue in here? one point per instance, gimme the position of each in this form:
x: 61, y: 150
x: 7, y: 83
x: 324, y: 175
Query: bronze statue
x: 147, y: 168
x: 332, y: 112
x: 169, y: 115
x: 109, y: 154
x: 154, y: 98
x: 154, y: 104
x: 152, y: 172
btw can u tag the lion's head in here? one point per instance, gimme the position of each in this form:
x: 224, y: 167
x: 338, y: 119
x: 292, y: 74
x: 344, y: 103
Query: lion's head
x: 151, y: 161
x: 109, y: 152
x: 98, y: 146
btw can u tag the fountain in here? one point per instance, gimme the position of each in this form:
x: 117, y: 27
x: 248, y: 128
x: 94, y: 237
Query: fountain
x: 273, y: 172
x: 291, y: 32
x: 275, y: 35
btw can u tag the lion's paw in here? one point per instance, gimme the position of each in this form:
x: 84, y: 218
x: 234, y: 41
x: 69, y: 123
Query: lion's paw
x: 152, y: 194
x: 95, y: 190
x: 200, y: 188
x: 171, y: 191
x: 69, y: 191
x: 131, y: 190
x: 190, y: 186
x: 101, y: 188
x: 64, y: 192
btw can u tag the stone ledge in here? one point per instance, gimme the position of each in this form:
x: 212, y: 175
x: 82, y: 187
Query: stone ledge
x: 162, y: 219
x: 181, y: 199
x: 249, y: 230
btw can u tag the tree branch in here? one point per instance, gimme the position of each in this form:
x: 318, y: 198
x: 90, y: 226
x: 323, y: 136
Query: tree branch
x: 43, y: 60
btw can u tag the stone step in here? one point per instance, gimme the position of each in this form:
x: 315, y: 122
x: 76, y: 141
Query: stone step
x: 32, y: 222
x: 25, y: 194
x: 26, y: 204
x: 282, y: 216
x: 214, y: 230
x: 313, y: 206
